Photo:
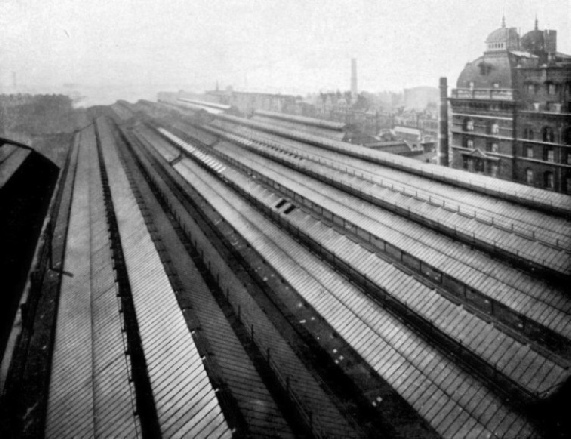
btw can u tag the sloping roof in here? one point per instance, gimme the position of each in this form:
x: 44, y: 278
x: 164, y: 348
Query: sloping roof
x: 300, y: 127
x: 12, y: 155
x: 501, y: 71
x: 408, y: 130
x: 303, y: 120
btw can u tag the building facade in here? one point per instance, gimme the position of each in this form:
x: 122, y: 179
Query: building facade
x: 511, y: 111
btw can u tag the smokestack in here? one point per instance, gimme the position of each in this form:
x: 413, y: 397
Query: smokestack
x: 354, y: 90
x: 443, y: 137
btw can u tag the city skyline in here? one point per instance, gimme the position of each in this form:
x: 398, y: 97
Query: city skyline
x: 288, y: 47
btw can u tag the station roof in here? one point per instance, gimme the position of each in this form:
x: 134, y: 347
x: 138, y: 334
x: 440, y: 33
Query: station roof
x: 338, y: 126
x: 12, y: 155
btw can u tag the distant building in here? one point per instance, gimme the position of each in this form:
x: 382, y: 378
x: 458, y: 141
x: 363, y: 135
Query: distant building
x: 512, y: 111
x: 419, y: 98
x: 390, y: 101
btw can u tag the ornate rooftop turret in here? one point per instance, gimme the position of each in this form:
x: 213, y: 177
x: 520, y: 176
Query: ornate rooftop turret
x: 503, y: 39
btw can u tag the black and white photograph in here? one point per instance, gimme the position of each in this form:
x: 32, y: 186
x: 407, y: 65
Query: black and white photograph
x: 285, y: 219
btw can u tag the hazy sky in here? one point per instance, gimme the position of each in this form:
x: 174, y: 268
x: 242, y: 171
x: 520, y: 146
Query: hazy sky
x: 267, y: 45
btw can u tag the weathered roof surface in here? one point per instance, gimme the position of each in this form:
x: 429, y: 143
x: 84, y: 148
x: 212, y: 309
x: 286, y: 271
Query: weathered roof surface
x: 550, y: 253
x: 91, y: 392
x: 494, y: 279
x: 238, y: 371
x: 392, y: 349
x: 71, y: 406
x: 331, y: 125
x: 209, y: 107
x: 501, y: 71
x: 186, y: 401
x: 306, y: 387
x: 383, y: 273
x: 309, y: 129
x: 494, y: 186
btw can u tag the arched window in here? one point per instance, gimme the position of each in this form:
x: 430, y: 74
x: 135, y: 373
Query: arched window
x: 495, y: 147
x: 548, y: 181
x: 548, y: 134
x: 528, y: 133
x: 529, y: 176
x: 495, y: 128
x: 469, y: 143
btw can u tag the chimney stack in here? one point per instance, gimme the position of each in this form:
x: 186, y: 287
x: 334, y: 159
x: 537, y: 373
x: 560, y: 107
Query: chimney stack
x: 354, y: 90
x: 443, y: 122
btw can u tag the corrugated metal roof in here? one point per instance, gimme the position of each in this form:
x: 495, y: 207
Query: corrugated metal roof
x: 492, y: 278
x: 328, y: 124
x: 91, y: 393
x: 309, y: 129
x: 553, y: 255
x: 424, y: 300
x: 185, y: 400
x: 71, y: 401
x: 389, y: 347
x: 505, y: 214
x: 559, y: 201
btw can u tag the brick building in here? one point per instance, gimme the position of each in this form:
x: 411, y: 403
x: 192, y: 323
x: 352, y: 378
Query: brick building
x: 512, y: 109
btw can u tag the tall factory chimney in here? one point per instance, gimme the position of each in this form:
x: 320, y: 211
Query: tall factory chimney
x: 443, y: 122
x: 354, y: 79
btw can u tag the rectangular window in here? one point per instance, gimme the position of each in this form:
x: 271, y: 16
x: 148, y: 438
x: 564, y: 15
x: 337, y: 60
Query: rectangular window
x: 529, y: 176
x: 549, y: 181
x: 494, y: 170
x: 529, y: 152
x: 549, y: 155
x: 468, y: 164
x: 551, y: 89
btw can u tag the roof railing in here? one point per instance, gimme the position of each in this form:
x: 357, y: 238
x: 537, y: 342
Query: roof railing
x: 501, y: 94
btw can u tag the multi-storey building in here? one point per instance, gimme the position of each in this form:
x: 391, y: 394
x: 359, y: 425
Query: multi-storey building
x: 512, y: 111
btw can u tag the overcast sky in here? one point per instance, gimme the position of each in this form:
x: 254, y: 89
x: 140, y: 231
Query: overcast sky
x: 281, y: 45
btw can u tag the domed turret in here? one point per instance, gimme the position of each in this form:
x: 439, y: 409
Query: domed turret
x: 503, y: 39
